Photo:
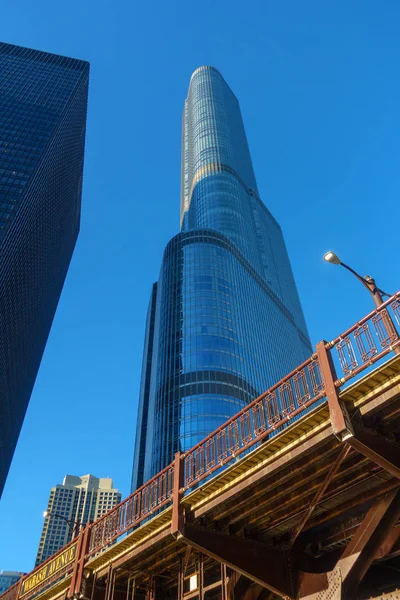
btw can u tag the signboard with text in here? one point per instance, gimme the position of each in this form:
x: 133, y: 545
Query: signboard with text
x: 49, y: 569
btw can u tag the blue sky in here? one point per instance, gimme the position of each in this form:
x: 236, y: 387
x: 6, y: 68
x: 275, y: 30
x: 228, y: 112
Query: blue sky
x: 319, y: 90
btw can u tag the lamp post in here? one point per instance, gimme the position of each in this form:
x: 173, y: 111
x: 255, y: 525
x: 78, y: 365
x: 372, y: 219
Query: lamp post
x: 367, y: 281
x: 73, y: 525
x: 376, y: 293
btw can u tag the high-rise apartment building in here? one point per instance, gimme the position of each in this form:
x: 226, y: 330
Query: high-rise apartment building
x: 8, y: 578
x: 43, y: 100
x: 77, y: 501
x: 225, y: 320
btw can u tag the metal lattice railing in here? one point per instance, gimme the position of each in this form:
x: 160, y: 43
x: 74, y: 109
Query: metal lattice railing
x: 352, y: 352
x: 362, y: 345
x: 367, y: 341
x: 151, y: 497
x: 44, y: 575
x: 262, y: 417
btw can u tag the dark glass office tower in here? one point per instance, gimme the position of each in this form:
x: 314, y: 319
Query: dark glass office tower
x: 225, y: 320
x: 43, y: 99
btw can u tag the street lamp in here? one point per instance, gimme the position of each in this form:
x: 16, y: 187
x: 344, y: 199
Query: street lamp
x: 367, y: 281
x: 375, y: 292
x: 73, y: 525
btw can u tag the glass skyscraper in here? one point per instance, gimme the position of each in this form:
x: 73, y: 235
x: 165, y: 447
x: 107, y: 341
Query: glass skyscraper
x: 43, y: 99
x: 225, y: 320
x: 8, y: 578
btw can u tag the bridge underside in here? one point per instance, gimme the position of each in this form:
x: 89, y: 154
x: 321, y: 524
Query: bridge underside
x: 307, y: 514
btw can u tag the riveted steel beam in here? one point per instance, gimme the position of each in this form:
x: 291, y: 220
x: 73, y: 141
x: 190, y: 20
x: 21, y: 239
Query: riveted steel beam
x: 331, y: 474
x: 390, y: 546
x: 377, y: 448
x: 371, y: 534
x: 343, y: 581
x: 269, y: 567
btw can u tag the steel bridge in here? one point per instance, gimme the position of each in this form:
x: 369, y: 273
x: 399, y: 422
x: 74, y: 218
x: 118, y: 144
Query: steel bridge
x: 296, y: 497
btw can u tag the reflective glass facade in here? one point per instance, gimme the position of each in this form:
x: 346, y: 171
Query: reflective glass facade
x: 225, y: 320
x: 8, y: 578
x: 43, y: 99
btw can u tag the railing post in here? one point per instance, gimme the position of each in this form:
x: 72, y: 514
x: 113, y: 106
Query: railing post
x: 20, y: 586
x: 14, y: 591
x: 81, y: 551
x: 177, y: 521
x: 339, y: 417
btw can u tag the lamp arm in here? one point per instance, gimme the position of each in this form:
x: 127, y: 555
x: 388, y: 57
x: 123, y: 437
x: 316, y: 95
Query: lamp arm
x: 363, y: 281
x: 64, y: 519
x: 384, y: 293
x: 68, y: 523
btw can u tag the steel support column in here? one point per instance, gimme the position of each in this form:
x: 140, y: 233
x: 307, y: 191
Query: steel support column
x: 177, y: 518
x: 250, y: 591
x: 151, y: 590
x: 110, y: 584
x: 93, y: 586
x: 363, y: 548
x: 343, y: 581
x: 201, y: 577
x: 234, y: 579
x: 270, y: 568
x: 224, y: 582
x: 77, y: 573
x: 186, y: 559
x: 389, y: 546
x: 180, y: 580
x: 337, y: 411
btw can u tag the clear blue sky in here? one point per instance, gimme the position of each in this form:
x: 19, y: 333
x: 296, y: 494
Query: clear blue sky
x: 319, y: 89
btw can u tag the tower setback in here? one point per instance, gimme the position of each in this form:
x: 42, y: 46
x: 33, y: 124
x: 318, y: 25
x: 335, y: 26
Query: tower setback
x: 225, y: 320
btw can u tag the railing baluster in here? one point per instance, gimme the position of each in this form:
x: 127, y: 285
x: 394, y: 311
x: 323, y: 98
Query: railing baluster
x: 365, y: 342
x: 259, y: 418
x: 273, y: 414
x: 356, y: 349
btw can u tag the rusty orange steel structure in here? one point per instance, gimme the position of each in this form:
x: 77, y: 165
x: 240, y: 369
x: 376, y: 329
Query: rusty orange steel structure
x: 318, y: 380
x: 360, y: 346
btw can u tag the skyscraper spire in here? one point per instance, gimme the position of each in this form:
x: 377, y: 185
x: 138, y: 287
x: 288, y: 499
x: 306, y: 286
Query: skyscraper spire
x: 226, y: 297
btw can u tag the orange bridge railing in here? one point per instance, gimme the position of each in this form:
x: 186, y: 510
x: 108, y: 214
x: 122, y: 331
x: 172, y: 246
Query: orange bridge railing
x: 332, y: 365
